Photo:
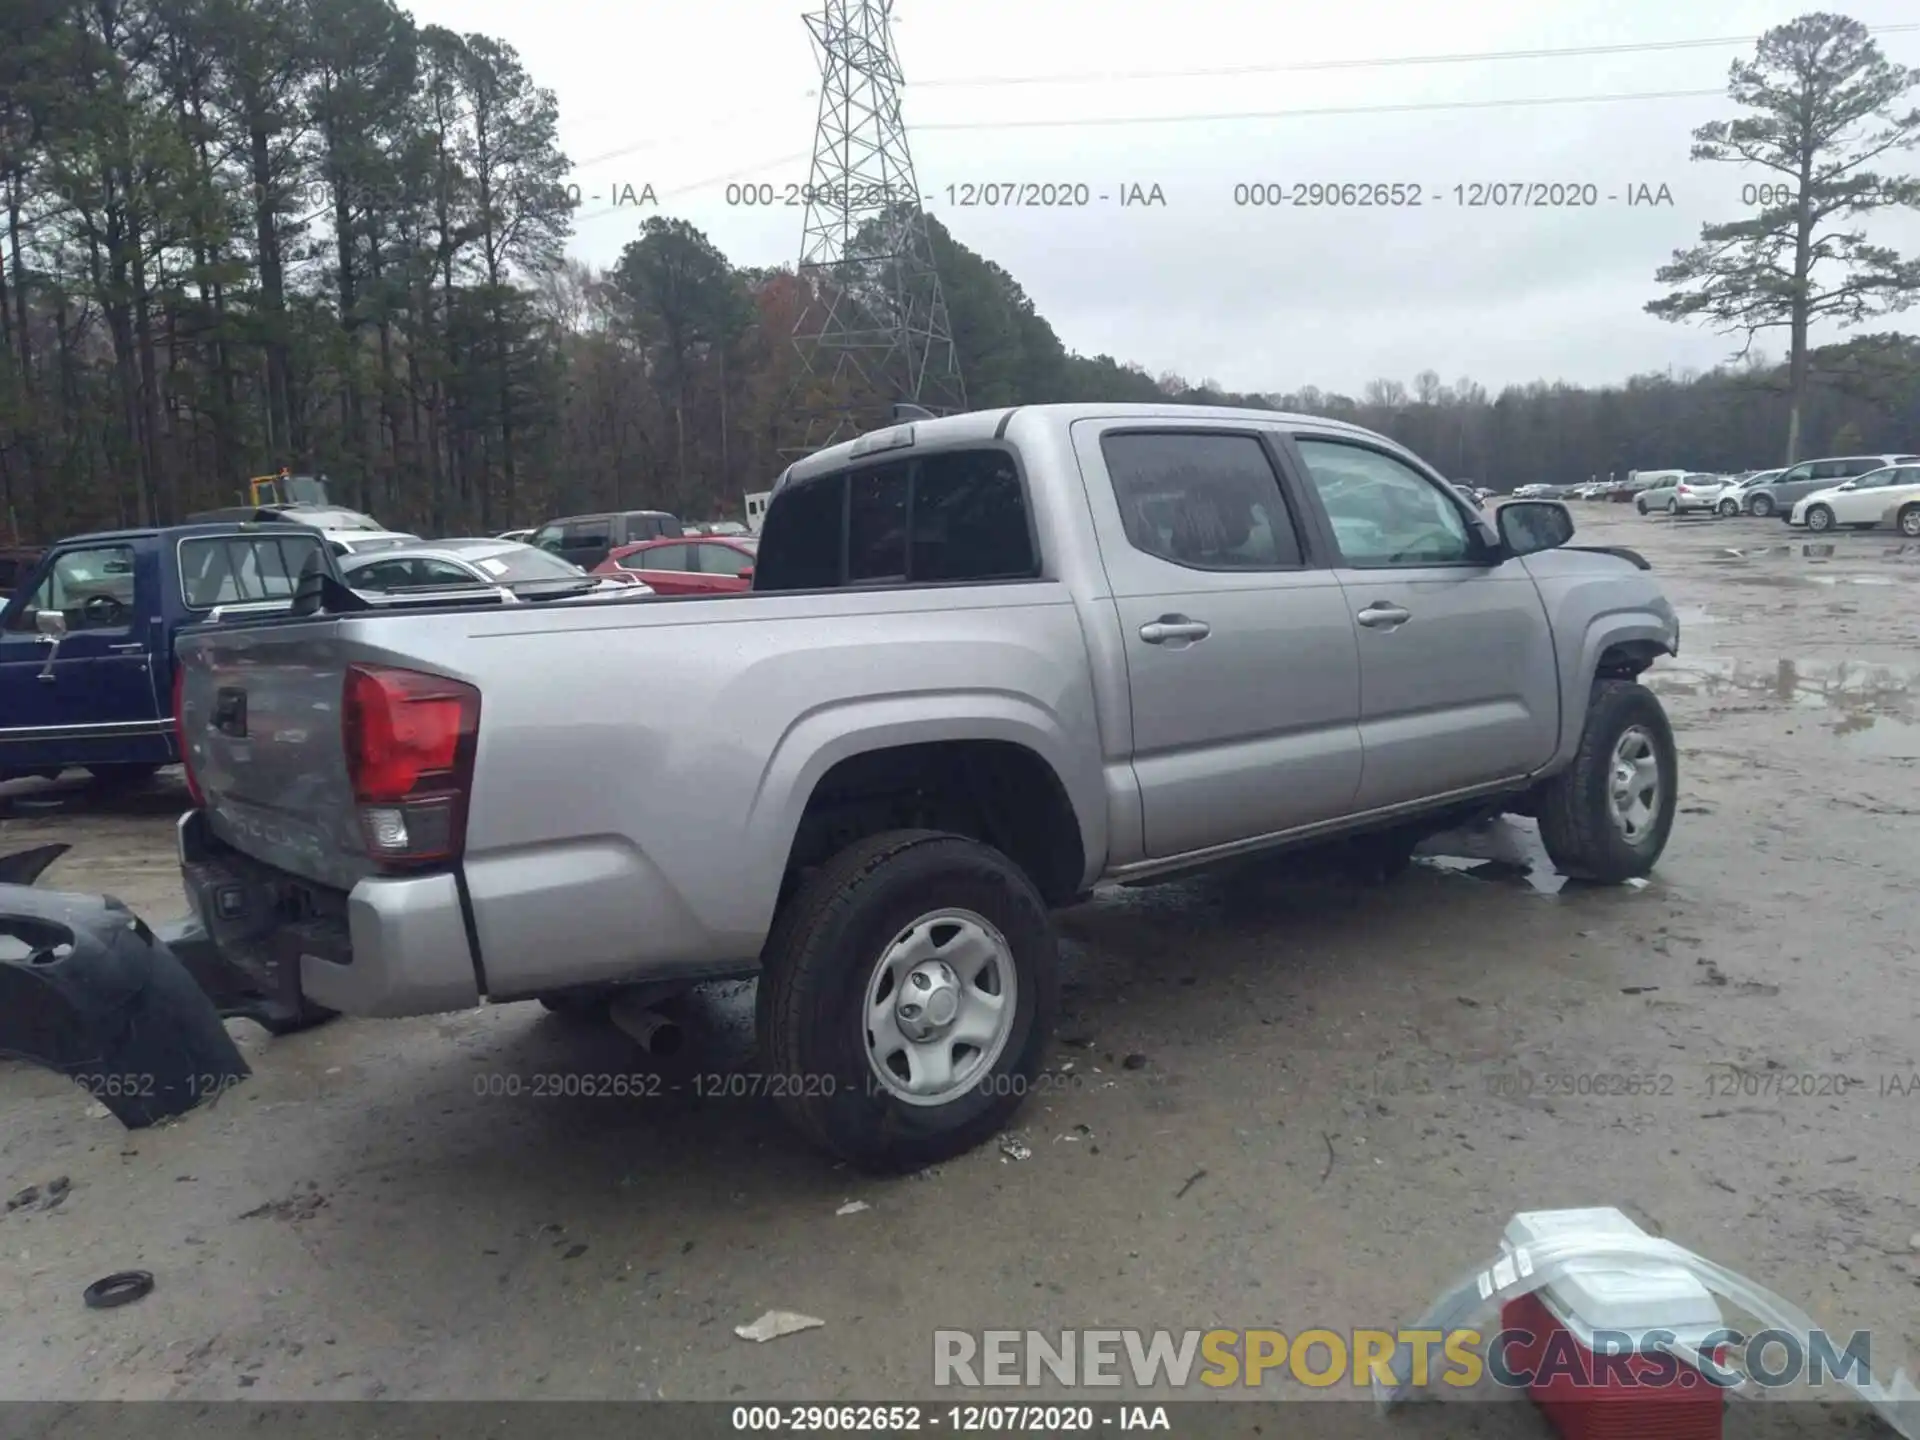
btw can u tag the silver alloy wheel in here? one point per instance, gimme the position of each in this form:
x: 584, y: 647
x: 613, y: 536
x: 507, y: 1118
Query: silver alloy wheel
x: 1633, y: 784
x: 1819, y: 518
x: 1729, y: 508
x: 939, y: 1007
x: 1910, y: 522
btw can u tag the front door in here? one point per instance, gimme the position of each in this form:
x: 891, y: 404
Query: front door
x: 1459, y: 683
x: 88, y: 696
x: 1241, y: 661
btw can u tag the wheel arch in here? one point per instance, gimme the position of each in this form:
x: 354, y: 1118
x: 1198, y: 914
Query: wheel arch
x: 993, y: 766
x: 1616, y: 646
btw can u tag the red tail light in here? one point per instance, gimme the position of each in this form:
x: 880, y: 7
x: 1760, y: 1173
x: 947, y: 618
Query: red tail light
x: 180, y: 733
x: 409, y: 741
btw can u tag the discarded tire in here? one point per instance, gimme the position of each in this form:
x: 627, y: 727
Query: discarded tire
x: 123, y: 1287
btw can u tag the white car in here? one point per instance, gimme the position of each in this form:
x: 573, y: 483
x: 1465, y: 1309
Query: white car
x: 505, y: 565
x: 1862, y: 502
x: 1733, y: 499
x: 1697, y: 492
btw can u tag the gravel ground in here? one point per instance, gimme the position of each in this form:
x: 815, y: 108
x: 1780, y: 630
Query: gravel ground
x: 1276, y: 1102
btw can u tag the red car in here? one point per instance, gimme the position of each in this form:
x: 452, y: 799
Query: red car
x: 709, y: 565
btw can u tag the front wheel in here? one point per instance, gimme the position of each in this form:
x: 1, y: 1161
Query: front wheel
x: 1641, y: 506
x: 1673, y: 507
x: 1908, y: 521
x: 1607, y: 815
x: 1763, y: 505
x: 1729, y: 509
x: 906, y: 997
x: 1819, y: 519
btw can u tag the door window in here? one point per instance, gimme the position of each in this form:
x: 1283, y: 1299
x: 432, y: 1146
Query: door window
x: 659, y: 557
x: 1384, y: 512
x: 1206, y: 502
x: 548, y: 537
x: 589, y: 533
x: 91, y: 589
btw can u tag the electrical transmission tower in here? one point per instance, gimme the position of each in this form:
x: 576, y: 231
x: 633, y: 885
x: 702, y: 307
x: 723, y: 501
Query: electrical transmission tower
x: 874, y: 330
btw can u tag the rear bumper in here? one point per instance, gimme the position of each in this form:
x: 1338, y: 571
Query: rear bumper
x: 391, y: 946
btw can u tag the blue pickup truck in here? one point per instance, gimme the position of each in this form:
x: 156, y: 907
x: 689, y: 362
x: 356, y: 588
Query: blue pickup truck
x: 86, y: 640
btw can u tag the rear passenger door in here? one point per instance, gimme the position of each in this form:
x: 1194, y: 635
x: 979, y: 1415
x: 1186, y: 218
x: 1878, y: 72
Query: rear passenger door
x: 1459, y: 683
x: 1241, y: 658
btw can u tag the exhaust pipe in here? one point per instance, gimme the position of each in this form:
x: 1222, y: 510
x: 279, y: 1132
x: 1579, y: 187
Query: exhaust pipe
x: 652, y: 1031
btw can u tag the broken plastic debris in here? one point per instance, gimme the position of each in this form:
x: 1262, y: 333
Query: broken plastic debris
x: 1636, y: 882
x: 1016, y: 1150
x: 97, y: 1111
x: 853, y: 1207
x: 774, y: 1324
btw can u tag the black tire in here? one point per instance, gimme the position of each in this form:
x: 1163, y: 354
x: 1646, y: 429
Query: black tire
x: 1641, y: 506
x: 1575, y: 816
x: 122, y: 777
x: 1819, y: 519
x: 1729, y: 509
x: 1763, y: 505
x: 1673, y: 507
x: 813, y: 988
x: 1907, y: 522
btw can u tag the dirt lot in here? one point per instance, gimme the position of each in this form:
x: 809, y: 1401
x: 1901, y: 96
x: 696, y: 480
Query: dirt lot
x: 1276, y: 1103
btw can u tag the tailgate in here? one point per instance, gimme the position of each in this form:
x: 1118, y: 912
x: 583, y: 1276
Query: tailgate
x: 261, y: 725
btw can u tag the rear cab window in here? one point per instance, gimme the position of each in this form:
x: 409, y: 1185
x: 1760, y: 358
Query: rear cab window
x: 242, y: 569
x: 951, y: 517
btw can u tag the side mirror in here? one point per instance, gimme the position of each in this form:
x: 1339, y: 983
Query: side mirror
x: 50, y: 623
x: 1529, y: 526
x: 747, y: 574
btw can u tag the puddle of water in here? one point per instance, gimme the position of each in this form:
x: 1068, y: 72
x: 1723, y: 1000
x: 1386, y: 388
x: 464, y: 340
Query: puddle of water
x: 1811, y: 684
x: 1507, y: 851
x: 1852, y: 580
x: 1885, y: 737
x: 1820, y: 551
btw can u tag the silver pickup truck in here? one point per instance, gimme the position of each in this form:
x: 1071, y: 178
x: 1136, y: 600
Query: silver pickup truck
x: 987, y: 662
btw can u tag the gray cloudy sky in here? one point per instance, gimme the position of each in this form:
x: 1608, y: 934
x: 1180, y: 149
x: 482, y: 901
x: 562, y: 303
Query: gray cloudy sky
x: 687, y: 96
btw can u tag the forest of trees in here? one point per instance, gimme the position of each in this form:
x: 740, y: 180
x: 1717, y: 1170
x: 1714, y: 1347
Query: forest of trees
x: 241, y: 234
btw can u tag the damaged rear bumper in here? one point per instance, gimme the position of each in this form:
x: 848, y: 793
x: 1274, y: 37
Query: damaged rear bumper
x: 89, y: 991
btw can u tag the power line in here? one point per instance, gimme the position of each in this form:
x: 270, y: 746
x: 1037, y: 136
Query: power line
x: 1472, y: 57
x: 1317, y: 111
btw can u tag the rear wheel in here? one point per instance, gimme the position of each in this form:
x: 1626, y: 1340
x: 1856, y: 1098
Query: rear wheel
x: 1763, y: 505
x: 1909, y: 521
x: 1819, y: 518
x: 1729, y: 508
x: 1607, y: 815
x: 907, y: 994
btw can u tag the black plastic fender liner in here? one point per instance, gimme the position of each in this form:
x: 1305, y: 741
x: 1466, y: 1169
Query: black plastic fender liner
x: 89, y: 992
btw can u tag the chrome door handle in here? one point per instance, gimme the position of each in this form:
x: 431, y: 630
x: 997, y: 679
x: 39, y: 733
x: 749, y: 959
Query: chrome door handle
x: 1174, y: 627
x: 130, y: 645
x: 1382, y: 616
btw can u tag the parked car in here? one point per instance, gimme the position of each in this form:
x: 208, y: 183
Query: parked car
x: 1685, y: 494
x: 477, y: 563
x: 348, y: 532
x: 1862, y: 503
x: 16, y: 563
x: 586, y: 540
x: 1733, y: 499
x: 525, y: 537
x: 702, y: 566
x: 989, y: 661
x: 1779, y: 496
x: 86, y: 642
